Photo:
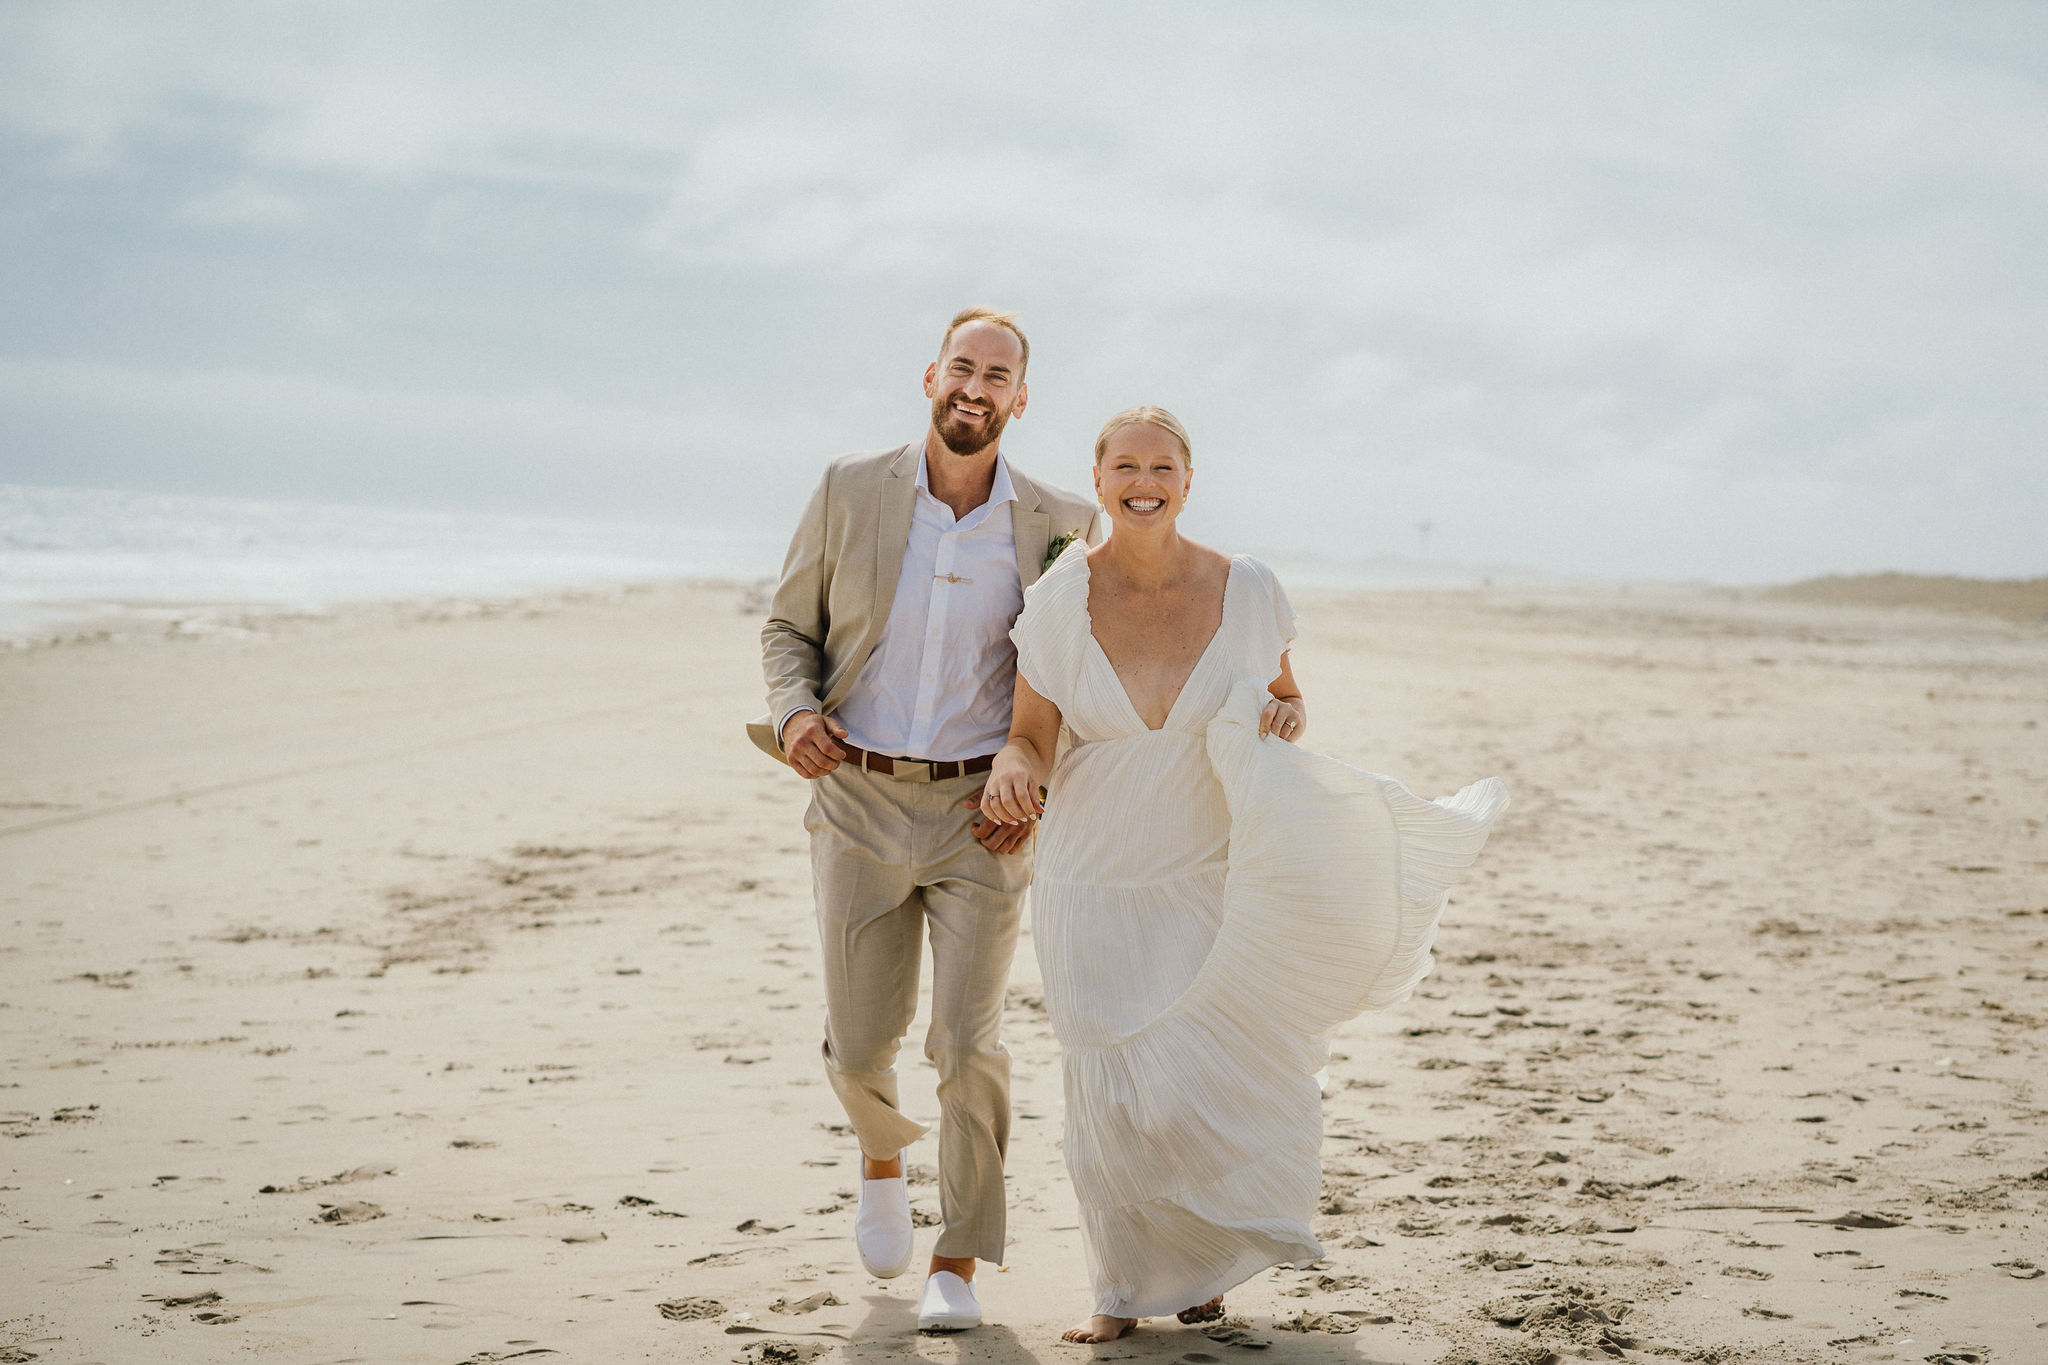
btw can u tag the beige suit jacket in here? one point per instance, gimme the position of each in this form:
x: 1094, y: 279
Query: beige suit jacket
x: 839, y: 580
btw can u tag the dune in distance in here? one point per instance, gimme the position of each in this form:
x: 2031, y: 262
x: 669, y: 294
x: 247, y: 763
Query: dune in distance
x: 437, y: 982
x: 2015, y: 599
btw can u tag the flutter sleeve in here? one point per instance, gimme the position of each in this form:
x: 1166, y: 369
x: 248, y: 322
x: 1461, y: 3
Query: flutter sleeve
x: 1274, y: 618
x: 1053, y: 627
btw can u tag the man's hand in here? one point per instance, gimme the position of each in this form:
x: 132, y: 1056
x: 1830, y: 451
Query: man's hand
x: 807, y: 741
x: 994, y: 837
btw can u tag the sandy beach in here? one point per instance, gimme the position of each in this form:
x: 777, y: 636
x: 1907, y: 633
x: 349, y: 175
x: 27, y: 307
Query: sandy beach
x: 437, y: 984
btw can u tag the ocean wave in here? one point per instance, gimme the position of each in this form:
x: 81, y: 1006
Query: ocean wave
x: 72, y: 553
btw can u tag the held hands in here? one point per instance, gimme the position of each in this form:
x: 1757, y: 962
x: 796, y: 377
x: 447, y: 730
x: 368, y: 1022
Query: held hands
x: 996, y: 836
x: 1285, y: 717
x: 808, y: 742
x: 1011, y: 797
x: 1008, y: 804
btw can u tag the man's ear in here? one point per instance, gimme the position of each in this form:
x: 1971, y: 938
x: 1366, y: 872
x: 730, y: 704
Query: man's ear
x: 931, y: 378
x: 1023, y: 397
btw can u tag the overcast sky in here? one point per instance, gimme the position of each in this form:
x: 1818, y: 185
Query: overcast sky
x: 1699, y: 291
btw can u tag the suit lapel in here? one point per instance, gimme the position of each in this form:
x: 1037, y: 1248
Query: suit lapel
x: 1030, y: 529
x: 892, y: 537
x: 1032, y: 532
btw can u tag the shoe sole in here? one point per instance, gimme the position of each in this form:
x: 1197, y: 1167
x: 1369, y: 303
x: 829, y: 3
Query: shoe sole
x: 947, y: 1323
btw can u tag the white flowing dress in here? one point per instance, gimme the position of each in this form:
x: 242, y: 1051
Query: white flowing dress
x: 1207, y: 907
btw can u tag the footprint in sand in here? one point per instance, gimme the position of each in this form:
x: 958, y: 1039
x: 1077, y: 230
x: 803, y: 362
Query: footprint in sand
x: 1234, y: 1331
x: 691, y: 1310
x: 348, y: 1177
x: 1315, y: 1322
x: 1856, y: 1219
x: 1335, y: 1284
x: 1499, y: 1260
x: 202, y: 1260
x: 782, y: 1352
x: 352, y: 1211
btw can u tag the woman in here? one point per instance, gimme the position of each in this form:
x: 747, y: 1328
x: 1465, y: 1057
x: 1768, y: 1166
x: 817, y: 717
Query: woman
x: 1207, y: 906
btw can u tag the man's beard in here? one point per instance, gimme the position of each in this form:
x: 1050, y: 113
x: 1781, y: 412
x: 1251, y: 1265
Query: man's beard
x: 961, y: 438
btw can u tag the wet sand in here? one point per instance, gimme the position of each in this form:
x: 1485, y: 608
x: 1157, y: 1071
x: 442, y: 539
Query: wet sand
x: 438, y: 984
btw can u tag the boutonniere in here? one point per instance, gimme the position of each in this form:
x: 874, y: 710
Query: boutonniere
x: 1052, y: 549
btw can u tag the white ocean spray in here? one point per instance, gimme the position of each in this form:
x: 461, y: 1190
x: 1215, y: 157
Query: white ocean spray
x: 71, y: 556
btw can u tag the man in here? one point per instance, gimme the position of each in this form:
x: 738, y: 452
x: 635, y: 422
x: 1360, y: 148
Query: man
x: 890, y: 672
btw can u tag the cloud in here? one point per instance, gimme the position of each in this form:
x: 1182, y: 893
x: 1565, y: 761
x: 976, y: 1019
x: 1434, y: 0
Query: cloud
x: 1677, y: 273
x: 499, y: 450
x: 244, y: 204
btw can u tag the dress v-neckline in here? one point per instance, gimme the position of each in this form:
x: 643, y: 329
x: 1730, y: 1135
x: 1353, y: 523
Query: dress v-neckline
x: 1223, y: 619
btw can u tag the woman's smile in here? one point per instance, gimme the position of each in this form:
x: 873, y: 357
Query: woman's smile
x: 1141, y: 474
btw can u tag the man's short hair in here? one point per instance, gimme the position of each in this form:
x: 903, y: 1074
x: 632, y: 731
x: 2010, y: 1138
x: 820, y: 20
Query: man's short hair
x: 1006, y: 321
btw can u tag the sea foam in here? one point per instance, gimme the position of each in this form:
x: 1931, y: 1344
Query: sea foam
x: 78, y: 554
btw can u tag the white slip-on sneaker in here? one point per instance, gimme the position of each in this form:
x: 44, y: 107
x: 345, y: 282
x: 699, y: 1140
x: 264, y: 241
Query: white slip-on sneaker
x: 881, y: 1229
x: 949, y: 1304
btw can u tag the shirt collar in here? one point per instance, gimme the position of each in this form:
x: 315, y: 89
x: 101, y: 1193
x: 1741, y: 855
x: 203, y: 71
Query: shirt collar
x: 1000, y: 492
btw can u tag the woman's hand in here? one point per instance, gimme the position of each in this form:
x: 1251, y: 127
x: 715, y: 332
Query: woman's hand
x: 1285, y: 717
x: 1011, y: 796
x: 1008, y: 802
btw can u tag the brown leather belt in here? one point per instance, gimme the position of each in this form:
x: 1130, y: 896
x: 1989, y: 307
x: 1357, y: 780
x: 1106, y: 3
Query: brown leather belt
x: 916, y: 769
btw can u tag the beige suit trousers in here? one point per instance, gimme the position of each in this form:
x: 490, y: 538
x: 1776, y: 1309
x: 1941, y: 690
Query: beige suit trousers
x: 891, y: 862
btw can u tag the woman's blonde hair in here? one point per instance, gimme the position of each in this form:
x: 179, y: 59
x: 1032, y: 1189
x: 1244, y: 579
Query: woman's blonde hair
x: 1146, y: 415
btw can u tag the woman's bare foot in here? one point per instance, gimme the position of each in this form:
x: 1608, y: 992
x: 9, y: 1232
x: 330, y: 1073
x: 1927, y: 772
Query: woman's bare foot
x: 1202, y: 1312
x: 1101, y: 1327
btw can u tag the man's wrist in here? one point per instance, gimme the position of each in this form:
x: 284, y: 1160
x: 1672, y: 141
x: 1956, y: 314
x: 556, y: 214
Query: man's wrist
x: 789, y: 716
